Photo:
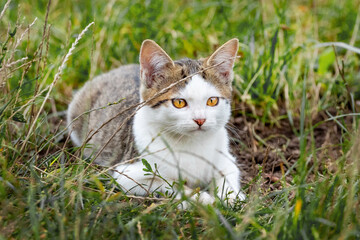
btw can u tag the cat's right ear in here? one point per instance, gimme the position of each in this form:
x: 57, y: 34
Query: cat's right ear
x: 153, y: 59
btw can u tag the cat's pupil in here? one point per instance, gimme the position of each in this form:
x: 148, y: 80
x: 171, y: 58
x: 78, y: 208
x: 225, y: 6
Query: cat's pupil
x: 179, y: 103
x: 213, y: 101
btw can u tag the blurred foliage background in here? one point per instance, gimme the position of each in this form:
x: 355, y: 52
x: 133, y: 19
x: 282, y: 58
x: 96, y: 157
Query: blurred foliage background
x: 275, y: 37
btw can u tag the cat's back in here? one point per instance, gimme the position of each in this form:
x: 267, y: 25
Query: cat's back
x: 110, y: 94
x: 119, y: 84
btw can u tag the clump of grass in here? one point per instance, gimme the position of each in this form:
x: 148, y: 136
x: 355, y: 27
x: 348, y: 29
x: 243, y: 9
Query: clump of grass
x: 48, y: 191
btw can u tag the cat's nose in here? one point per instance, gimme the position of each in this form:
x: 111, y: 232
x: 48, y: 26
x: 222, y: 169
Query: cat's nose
x: 200, y: 122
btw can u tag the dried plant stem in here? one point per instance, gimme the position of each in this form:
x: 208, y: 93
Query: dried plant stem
x: 27, y: 104
x: 148, y: 198
x: 137, y: 183
x: 56, y: 78
x: 18, y: 41
x: 75, y: 119
x: 354, y: 34
x: 24, y: 33
x: 8, y: 65
x: 129, y: 161
x: 102, y: 36
x: 4, y: 9
x: 349, y: 94
x: 40, y: 49
x: 9, y: 60
x: 42, y: 42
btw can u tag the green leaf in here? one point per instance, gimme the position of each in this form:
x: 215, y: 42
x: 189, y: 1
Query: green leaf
x: 18, y: 117
x: 147, y: 166
x: 326, y: 59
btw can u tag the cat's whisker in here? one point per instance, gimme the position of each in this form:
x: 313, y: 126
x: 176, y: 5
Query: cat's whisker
x: 171, y: 130
x: 233, y: 130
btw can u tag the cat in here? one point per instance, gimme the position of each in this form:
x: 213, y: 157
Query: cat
x: 181, y: 133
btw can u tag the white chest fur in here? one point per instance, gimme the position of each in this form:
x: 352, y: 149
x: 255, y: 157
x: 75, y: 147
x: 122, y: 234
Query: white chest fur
x: 197, y: 158
x: 181, y: 150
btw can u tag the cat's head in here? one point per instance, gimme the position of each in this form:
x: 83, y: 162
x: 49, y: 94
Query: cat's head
x: 199, y: 104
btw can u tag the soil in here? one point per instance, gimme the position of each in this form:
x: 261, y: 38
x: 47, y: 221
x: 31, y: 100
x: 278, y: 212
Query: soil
x: 274, y: 149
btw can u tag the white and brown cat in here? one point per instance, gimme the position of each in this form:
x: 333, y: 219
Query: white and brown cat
x: 182, y: 132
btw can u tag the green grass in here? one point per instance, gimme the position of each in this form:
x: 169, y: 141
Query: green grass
x: 48, y: 191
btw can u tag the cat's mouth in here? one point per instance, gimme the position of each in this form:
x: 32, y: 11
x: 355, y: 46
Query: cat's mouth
x: 199, y: 129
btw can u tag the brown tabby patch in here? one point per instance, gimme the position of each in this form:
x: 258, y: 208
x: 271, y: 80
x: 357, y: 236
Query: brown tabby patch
x: 222, y: 84
x: 180, y: 70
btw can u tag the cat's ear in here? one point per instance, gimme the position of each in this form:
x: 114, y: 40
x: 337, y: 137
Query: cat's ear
x: 153, y: 59
x: 224, y: 58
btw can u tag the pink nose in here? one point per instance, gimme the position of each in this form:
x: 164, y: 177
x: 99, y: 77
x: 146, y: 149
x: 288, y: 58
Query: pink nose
x: 199, y: 121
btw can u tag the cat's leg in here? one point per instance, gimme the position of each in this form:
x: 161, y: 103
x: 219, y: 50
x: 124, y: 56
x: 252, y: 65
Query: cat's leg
x: 227, y: 184
x: 198, y: 196
x: 134, y: 180
x: 201, y: 196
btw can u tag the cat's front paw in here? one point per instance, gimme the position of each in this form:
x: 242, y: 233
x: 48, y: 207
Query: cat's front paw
x: 241, y: 196
x: 232, y: 197
x: 204, y: 198
x: 201, y: 197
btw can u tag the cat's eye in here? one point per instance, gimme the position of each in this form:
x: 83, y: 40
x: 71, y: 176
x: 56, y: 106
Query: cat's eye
x: 179, y: 102
x: 213, y: 101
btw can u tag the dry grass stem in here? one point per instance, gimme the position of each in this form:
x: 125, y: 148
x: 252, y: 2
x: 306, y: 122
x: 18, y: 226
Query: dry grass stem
x: 19, y: 40
x: 4, y: 9
x: 56, y: 78
x: 9, y: 65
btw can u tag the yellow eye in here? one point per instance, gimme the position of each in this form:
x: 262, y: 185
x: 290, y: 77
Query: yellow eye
x: 213, y: 101
x: 179, y: 102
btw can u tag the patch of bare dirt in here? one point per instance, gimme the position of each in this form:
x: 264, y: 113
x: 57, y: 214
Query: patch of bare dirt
x: 276, y: 148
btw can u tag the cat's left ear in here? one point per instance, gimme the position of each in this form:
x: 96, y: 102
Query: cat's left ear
x: 224, y: 57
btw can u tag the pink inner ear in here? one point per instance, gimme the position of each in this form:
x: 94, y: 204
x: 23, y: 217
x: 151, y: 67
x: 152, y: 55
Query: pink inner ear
x: 225, y: 57
x: 225, y: 74
x: 144, y: 74
x: 149, y: 78
x: 225, y: 66
x: 152, y: 60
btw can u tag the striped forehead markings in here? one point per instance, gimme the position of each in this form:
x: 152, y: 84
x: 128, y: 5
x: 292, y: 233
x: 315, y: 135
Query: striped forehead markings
x: 159, y: 103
